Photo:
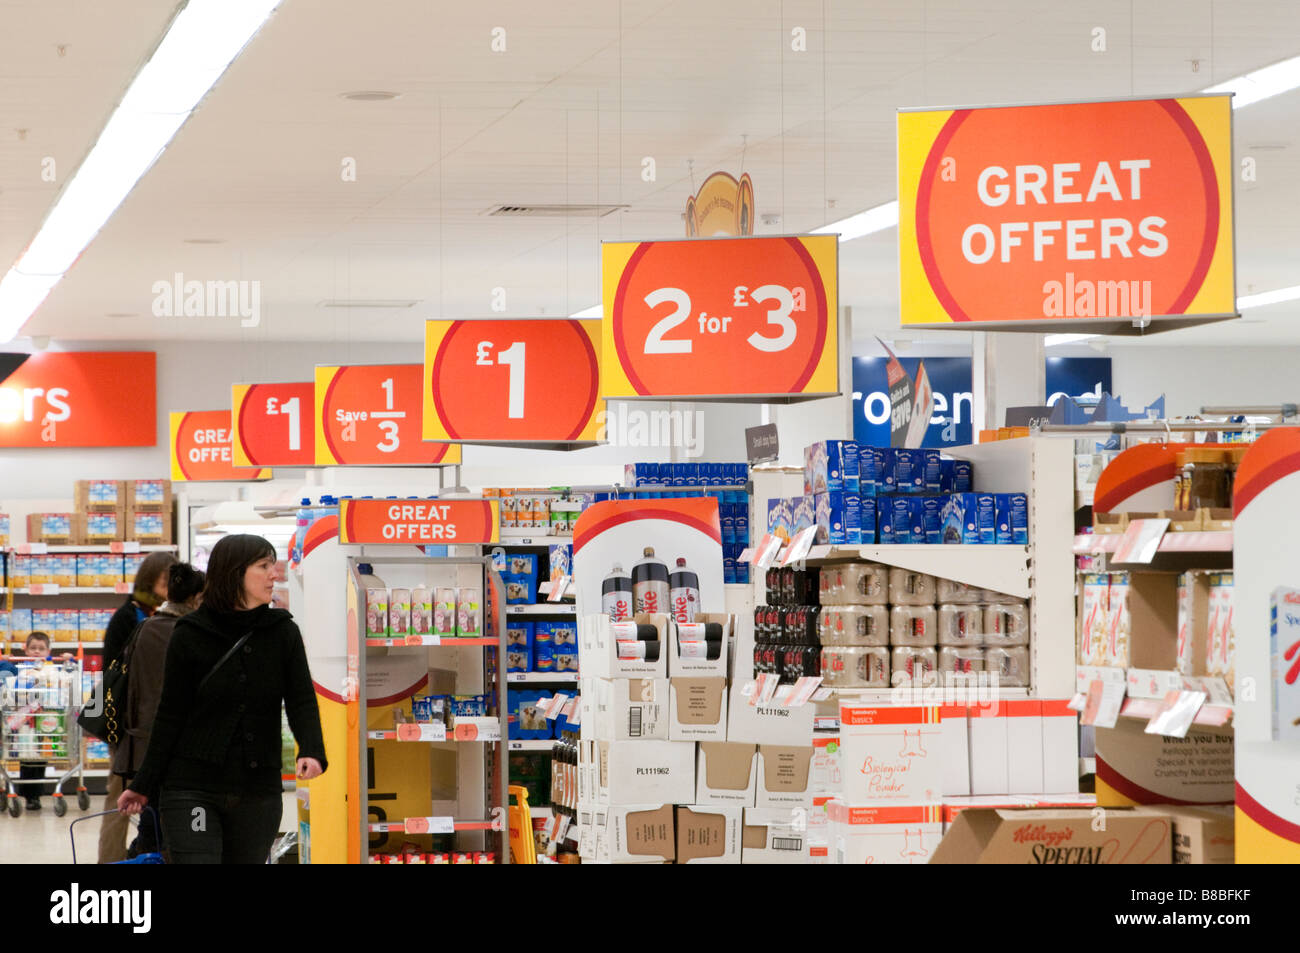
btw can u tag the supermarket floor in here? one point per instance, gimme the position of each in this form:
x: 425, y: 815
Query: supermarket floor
x: 42, y: 838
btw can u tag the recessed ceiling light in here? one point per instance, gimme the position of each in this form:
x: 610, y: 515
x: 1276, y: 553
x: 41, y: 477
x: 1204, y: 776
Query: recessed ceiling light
x: 370, y: 303
x: 370, y: 95
x: 204, y: 241
x: 122, y: 314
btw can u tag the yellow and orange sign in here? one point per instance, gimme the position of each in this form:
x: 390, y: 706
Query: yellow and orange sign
x: 722, y: 318
x: 202, y: 448
x: 273, y: 424
x: 512, y: 381
x: 78, y: 399
x: 1067, y: 214
x: 370, y: 415
x: 419, y: 522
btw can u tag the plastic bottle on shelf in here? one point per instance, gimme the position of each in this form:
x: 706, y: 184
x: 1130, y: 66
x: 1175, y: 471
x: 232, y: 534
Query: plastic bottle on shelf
x: 650, y: 583
x: 684, y: 592
x: 302, y: 521
x: 616, y: 594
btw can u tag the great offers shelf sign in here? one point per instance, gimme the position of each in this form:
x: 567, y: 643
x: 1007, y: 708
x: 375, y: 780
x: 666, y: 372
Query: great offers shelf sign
x: 1096, y: 215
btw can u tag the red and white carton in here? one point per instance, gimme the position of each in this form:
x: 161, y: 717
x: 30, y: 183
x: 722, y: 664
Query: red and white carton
x: 1024, y: 746
x: 956, y: 749
x: 988, y: 750
x: 890, y: 754
x: 895, y: 834
x: 1060, y: 746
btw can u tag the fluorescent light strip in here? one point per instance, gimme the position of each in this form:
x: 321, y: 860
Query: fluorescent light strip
x: 203, y: 40
x: 595, y: 311
x: 1268, y: 297
x: 864, y: 223
x: 1261, y: 84
x: 1051, y: 340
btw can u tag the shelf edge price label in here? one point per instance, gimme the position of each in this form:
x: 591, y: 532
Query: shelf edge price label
x: 512, y: 381
x: 422, y: 731
x: 372, y: 415
x: 419, y: 522
x: 720, y: 318
x: 202, y: 448
x: 273, y: 424
x: 429, y: 825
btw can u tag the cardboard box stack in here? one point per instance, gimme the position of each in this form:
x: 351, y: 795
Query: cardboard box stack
x: 149, y: 511
x: 674, y: 762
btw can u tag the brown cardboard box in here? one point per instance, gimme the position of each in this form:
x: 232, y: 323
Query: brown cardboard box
x: 645, y: 834
x: 697, y: 709
x: 726, y: 773
x: 149, y: 526
x: 91, y: 495
x: 1153, y: 620
x: 1201, y: 835
x: 154, y: 495
x: 784, y: 775
x: 708, y: 835
x: 1061, y: 836
x: 1134, y: 767
x: 39, y: 529
x: 102, y: 525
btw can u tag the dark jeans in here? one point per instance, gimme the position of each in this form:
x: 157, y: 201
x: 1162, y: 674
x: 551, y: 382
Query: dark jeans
x: 33, y: 771
x: 200, y: 827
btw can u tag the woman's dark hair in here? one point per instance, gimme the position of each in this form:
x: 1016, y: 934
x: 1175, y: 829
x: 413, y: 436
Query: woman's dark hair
x: 154, y: 566
x: 232, y: 555
x: 184, y: 582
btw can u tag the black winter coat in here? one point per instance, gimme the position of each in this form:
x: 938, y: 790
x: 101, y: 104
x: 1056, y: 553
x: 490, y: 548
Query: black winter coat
x: 228, y: 739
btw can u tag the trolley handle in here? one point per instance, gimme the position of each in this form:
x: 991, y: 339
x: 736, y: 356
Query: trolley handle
x: 86, y: 817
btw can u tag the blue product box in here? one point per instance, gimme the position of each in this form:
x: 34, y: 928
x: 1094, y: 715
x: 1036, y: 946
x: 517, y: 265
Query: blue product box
x: 987, y: 517
x: 728, y: 570
x: 909, y: 470
x: 519, y: 646
x: 933, y: 475
x: 867, y: 520
x: 742, y: 528
x: 779, y: 518
x: 931, y: 519
x: 727, y: 517
x: 1012, y: 518
x: 960, y: 519
x: 677, y: 474
x: 802, y: 514
x: 884, y: 522
x: 739, y: 474
x: 963, y: 473
x: 852, y: 466
x: 742, y: 573
x: 869, y: 460
x: 829, y: 465
x: 882, y: 463
x: 901, y: 520
x: 837, y: 514
x: 946, y: 468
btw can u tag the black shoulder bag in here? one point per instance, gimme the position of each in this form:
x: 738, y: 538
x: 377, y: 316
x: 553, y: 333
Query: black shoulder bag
x: 222, y: 661
x: 104, y: 717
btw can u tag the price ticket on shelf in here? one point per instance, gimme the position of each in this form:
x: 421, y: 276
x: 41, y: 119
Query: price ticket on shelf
x: 202, y: 448
x: 422, y: 731
x: 799, y: 546
x: 372, y: 415
x: 722, y: 318
x: 512, y: 381
x: 273, y: 424
x: 430, y: 825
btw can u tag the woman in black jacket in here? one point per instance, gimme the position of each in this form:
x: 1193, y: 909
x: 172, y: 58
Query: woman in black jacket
x: 213, y: 764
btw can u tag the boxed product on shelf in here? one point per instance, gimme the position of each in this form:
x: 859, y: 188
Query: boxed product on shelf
x: 697, y: 708
x: 103, y: 526
x: 784, y: 776
x: 469, y: 612
x: 55, y: 528
x: 560, y: 562
x: 701, y: 647
x: 837, y: 514
x: 92, y: 624
x: 1012, y: 517
x: 62, y: 569
x: 630, y: 834
x: 1201, y: 835
x: 774, y: 835
x: 399, y: 612
x: 99, y: 495
x: 131, y: 565
x: 421, y: 611
x: 1056, y: 836
x: 803, y: 513
x: 1222, y: 646
x: 641, y: 773
x: 1284, y: 663
x: 708, y: 834
x: 564, y: 646
x: 543, y: 647
x: 4, y: 529
x: 149, y: 495
x: 525, y: 719
x: 954, y: 735
x: 519, y: 646
x: 892, y: 834
x: 624, y: 709
x: 377, y: 617
x: 726, y: 773
x: 767, y: 723
x: 970, y: 518
x: 891, y: 754
x: 780, y: 518
x: 629, y: 649
x: 830, y: 465
x: 20, y: 625
x: 147, y: 526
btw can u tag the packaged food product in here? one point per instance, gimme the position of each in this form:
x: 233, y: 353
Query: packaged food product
x: 853, y: 625
x: 911, y: 665
x: 912, y: 625
x: 1006, y: 624
x: 1011, y: 664
x: 855, y: 666
x: 421, y: 611
x: 854, y: 584
x: 958, y: 593
x: 444, y: 612
x: 959, y: 660
x: 961, y: 625
x: 469, y: 613
x: 376, y: 613
x: 399, y: 612
x: 1000, y: 598
x: 908, y: 588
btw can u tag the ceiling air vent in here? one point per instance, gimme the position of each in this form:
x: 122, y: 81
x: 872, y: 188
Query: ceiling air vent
x: 555, y: 211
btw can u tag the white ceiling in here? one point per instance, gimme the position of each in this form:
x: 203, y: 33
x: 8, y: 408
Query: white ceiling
x: 584, y: 91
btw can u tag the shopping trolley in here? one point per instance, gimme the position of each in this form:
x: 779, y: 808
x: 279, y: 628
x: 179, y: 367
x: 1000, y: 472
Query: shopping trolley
x: 38, y: 723
x: 148, y: 857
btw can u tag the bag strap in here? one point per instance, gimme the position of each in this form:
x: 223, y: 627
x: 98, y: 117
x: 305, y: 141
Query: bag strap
x: 222, y: 661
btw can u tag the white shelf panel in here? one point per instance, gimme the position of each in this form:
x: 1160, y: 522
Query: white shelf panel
x: 1000, y: 568
x: 73, y: 591
x: 92, y: 548
x: 532, y: 744
x: 529, y: 678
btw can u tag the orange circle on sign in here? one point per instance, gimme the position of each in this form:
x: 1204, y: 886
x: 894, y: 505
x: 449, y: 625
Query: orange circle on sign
x: 1040, y: 279
x: 392, y: 391
x: 203, y: 447
x: 723, y: 358
x: 265, y: 435
x: 472, y: 385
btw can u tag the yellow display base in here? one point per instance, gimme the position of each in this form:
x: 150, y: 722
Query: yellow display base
x: 1257, y: 845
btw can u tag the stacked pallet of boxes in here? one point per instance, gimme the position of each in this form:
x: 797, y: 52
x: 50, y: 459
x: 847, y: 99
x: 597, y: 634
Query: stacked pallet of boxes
x: 672, y: 756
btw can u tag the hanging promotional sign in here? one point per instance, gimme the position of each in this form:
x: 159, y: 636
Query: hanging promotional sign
x: 371, y: 415
x: 78, y: 399
x: 511, y: 381
x: 1093, y: 215
x: 723, y: 318
x: 273, y: 424
x: 420, y: 522
x: 202, y: 448
x: 722, y: 206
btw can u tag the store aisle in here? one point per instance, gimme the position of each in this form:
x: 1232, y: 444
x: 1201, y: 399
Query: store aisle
x: 42, y: 838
